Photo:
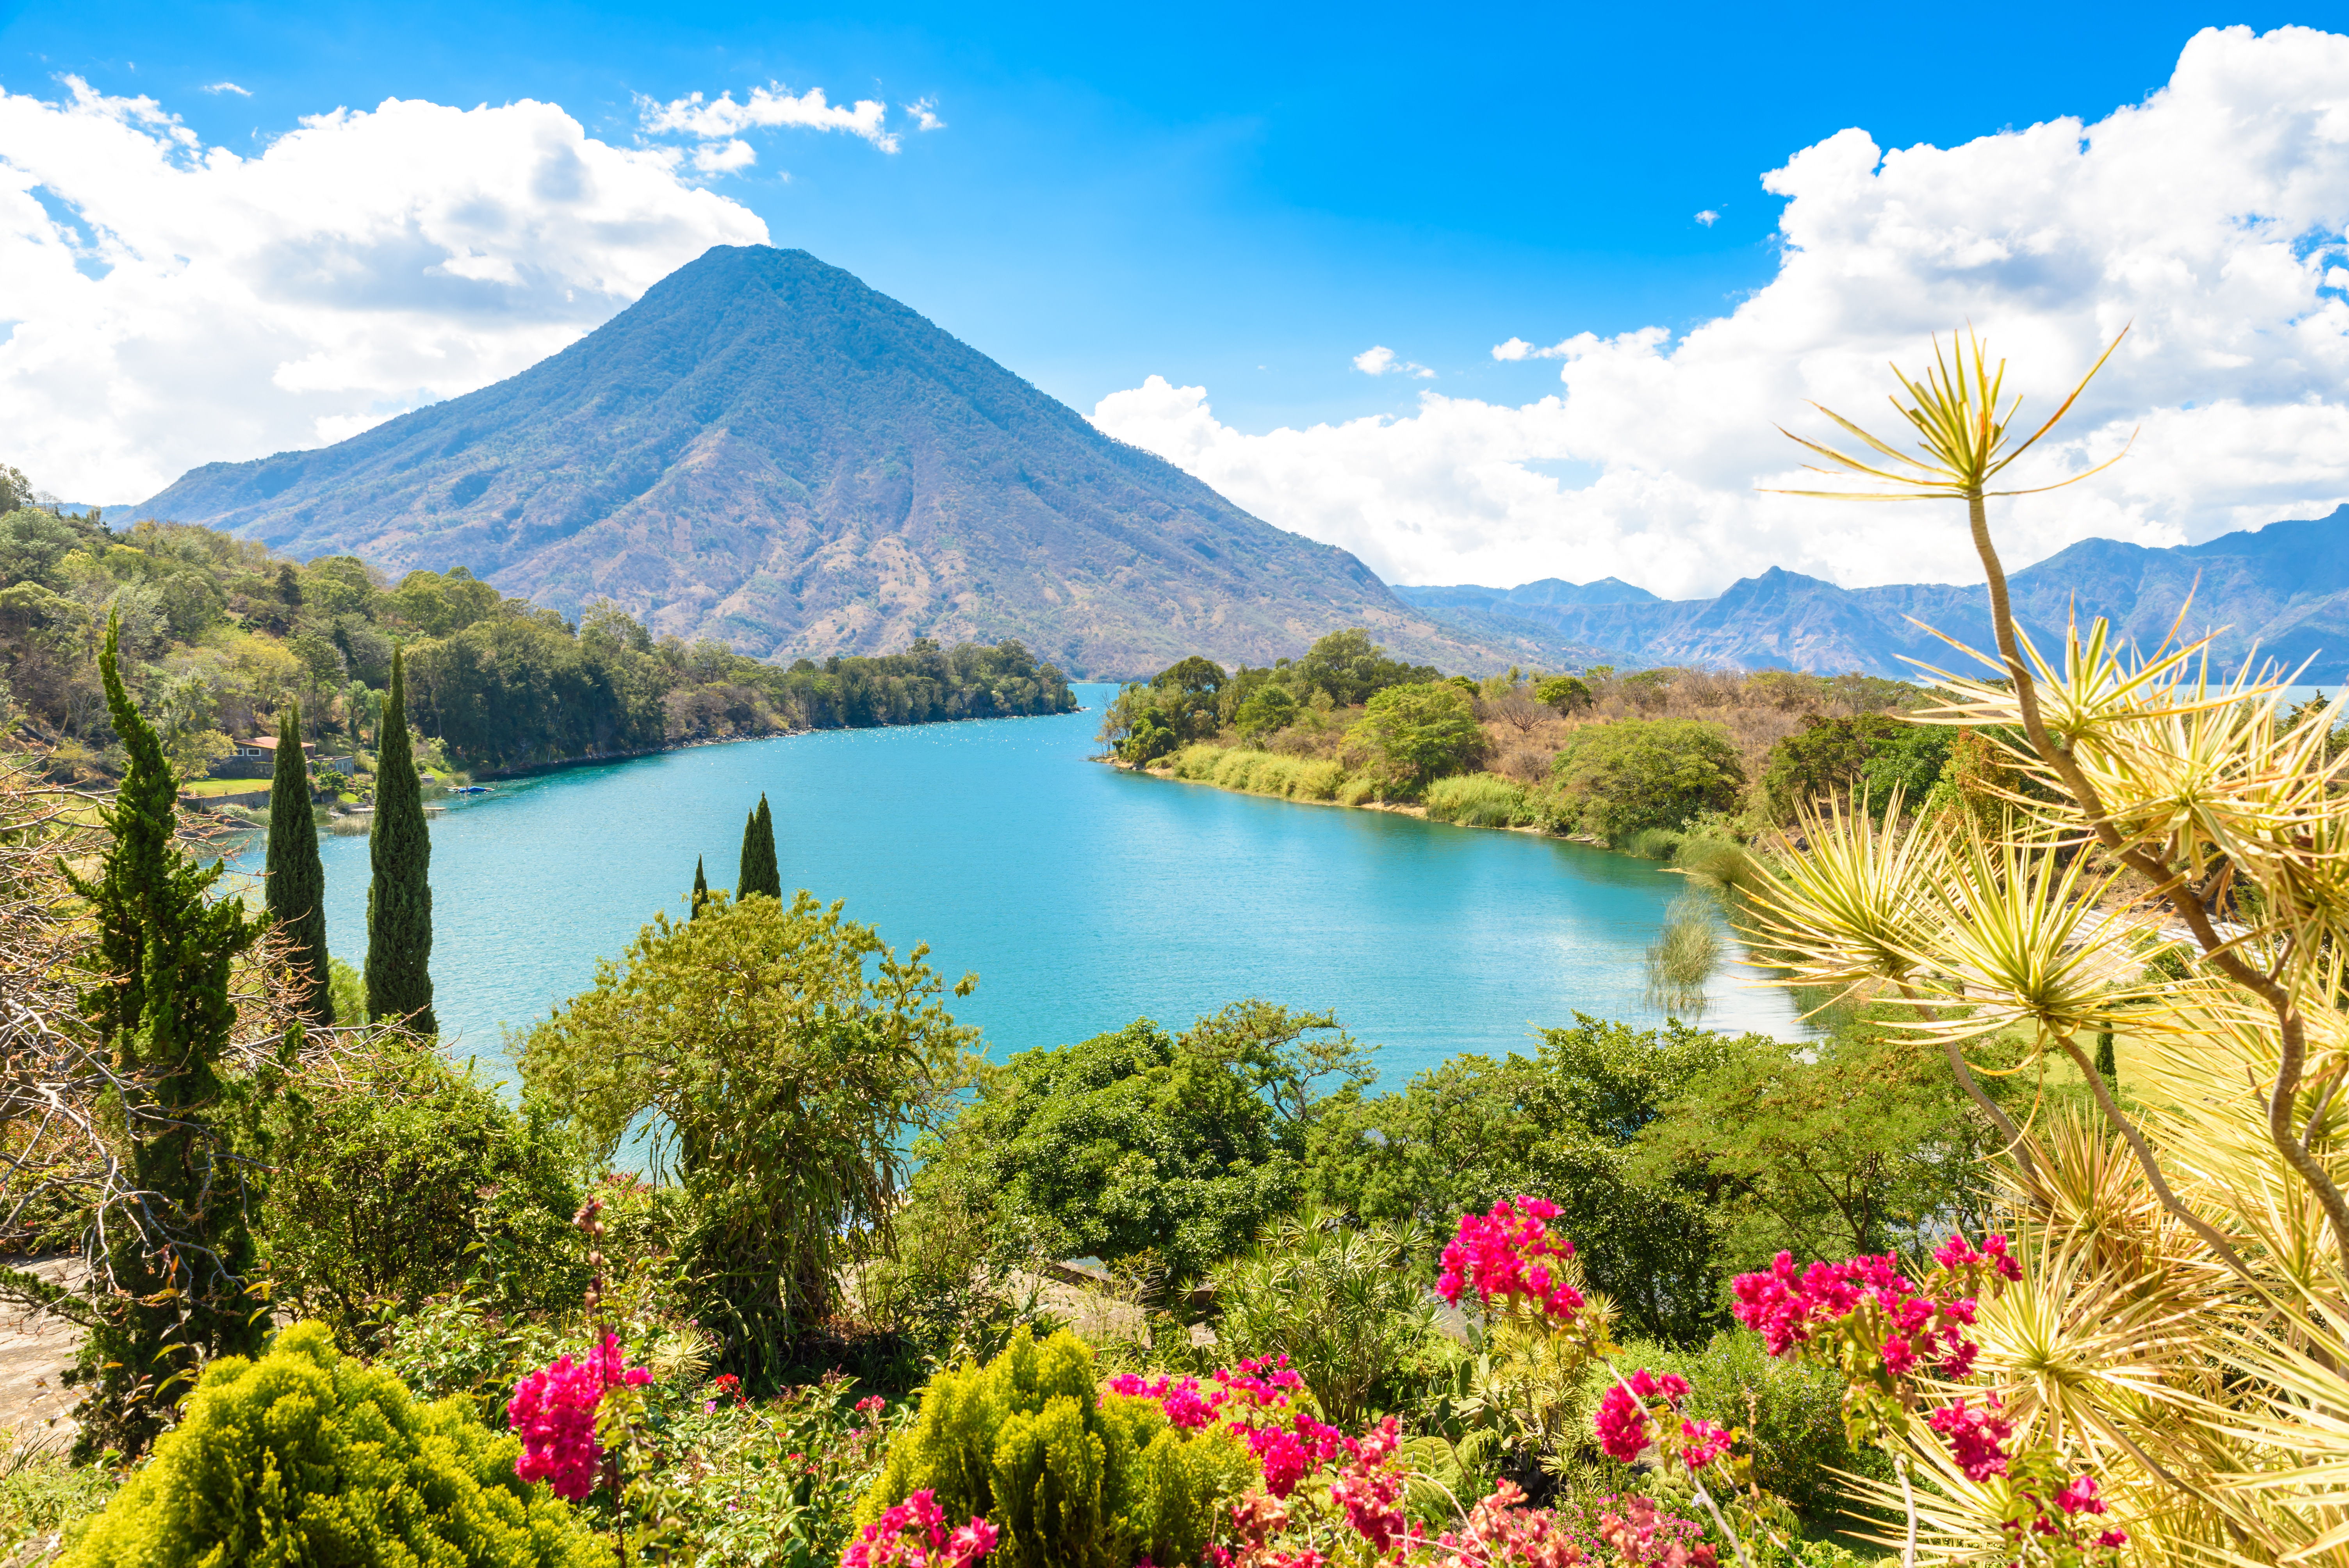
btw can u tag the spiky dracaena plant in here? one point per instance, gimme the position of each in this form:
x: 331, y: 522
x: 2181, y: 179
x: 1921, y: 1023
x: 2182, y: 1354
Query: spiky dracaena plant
x: 2180, y: 1330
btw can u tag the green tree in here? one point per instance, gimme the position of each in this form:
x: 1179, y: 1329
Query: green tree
x: 1856, y: 1144
x: 759, y: 872
x: 296, y: 886
x: 1640, y: 773
x: 1161, y: 1152
x: 785, y: 1083
x: 399, y: 890
x: 1346, y: 1304
x: 1869, y: 753
x: 1268, y: 707
x: 700, y: 888
x: 1563, y: 1124
x: 1352, y: 669
x: 1420, y: 732
x: 178, y: 1252
x: 1567, y: 693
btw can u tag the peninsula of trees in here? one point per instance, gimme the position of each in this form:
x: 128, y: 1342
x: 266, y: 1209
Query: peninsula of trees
x: 220, y: 635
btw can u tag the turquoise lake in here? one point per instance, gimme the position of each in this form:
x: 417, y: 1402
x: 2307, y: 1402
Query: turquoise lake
x: 1083, y: 896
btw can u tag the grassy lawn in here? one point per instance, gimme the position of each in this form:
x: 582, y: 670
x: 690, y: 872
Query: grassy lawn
x: 210, y: 786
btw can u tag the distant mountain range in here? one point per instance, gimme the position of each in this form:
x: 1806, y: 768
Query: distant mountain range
x: 2284, y: 588
x: 764, y: 450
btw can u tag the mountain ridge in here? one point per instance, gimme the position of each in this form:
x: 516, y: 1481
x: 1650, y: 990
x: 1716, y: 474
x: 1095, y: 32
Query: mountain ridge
x: 764, y: 450
x: 2282, y: 588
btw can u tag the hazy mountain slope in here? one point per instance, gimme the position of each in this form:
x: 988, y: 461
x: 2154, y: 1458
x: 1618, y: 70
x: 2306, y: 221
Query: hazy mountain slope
x: 764, y: 450
x: 2284, y: 588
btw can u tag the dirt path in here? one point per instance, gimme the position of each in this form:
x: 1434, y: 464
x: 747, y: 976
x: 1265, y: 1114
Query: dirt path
x: 34, y: 1348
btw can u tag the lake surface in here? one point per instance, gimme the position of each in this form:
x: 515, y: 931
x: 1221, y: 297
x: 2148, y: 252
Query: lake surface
x: 1083, y: 896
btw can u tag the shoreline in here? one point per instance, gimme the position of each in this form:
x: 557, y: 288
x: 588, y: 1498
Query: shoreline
x: 1391, y: 807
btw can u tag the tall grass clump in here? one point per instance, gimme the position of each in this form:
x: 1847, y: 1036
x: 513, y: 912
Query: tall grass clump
x: 1477, y: 800
x: 1650, y: 844
x: 1684, y: 956
x: 1715, y: 862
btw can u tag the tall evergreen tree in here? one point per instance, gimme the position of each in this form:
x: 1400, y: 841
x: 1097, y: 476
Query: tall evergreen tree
x: 759, y: 872
x: 700, y: 888
x: 173, y: 1263
x: 295, y: 888
x: 400, y: 895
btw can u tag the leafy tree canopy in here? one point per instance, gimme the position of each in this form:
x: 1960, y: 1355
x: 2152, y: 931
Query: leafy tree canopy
x: 1638, y: 773
x: 1144, y: 1147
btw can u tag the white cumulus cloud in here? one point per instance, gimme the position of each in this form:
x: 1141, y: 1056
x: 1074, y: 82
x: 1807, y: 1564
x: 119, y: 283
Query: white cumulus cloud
x: 767, y: 108
x: 229, y: 87
x: 2212, y: 216
x: 1380, y: 360
x: 925, y: 114
x: 165, y: 303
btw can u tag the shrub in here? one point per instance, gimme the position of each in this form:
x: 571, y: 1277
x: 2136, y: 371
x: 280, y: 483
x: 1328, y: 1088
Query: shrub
x: 409, y: 1177
x: 1478, y: 800
x: 1638, y: 773
x: 1420, y: 732
x: 1343, y: 1304
x: 306, y: 1456
x: 1072, y: 1477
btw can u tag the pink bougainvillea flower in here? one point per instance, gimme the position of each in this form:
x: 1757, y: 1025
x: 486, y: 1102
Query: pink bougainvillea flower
x: 554, y: 1413
x: 1702, y: 1442
x: 1977, y: 1440
x: 1622, y: 1419
x: 1369, y: 1490
x: 914, y: 1534
x: 1506, y: 1253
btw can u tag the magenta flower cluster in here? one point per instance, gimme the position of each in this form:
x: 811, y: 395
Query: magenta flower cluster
x: 1623, y: 1416
x: 554, y: 1411
x: 1370, y: 1489
x: 1787, y: 1308
x: 914, y: 1534
x: 1976, y: 1439
x: 1510, y: 1253
x: 1253, y: 1399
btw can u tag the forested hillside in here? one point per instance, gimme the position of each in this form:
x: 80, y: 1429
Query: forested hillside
x: 220, y: 634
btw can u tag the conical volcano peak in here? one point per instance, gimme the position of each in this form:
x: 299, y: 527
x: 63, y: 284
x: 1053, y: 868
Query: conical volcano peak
x: 766, y: 452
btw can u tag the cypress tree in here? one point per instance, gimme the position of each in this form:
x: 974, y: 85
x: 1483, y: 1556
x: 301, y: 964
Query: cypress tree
x: 700, y: 888
x: 759, y: 872
x: 295, y: 888
x: 400, y: 895
x: 178, y: 1260
x: 2108, y: 1068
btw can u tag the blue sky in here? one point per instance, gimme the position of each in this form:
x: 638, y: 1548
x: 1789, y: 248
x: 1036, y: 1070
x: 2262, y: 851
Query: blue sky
x: 1199, y: 193
x: 1203, y: 227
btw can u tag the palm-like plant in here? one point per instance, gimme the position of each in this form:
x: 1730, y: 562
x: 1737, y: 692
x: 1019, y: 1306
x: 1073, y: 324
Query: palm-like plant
x: 2182, y: 1330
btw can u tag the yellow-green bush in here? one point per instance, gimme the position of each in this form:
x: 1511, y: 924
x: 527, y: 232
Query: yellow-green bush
x: 1072, y: 1477
x: 306, y: 1456
x: 1477, y: 800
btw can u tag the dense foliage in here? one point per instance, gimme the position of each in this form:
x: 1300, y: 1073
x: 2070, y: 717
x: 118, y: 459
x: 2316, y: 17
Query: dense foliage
x: 308, y: 1456
x: 1649, y: 773
x: 219, y: 636
x: 1162, y: 1153
x: 783, y: 1077
x: 406, y: 1177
